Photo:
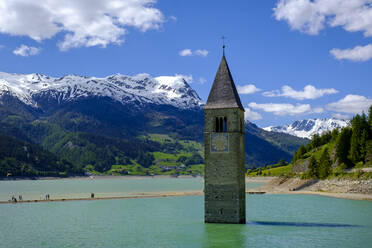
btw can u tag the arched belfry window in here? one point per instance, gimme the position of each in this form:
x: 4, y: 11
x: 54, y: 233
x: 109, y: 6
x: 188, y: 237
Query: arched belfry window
x: 224, y: 126
x: 221, y: 124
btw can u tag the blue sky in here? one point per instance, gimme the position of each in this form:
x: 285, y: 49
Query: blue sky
x: 275, y: 48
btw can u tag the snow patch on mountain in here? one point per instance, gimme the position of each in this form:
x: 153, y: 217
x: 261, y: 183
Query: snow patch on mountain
x: 307, y: 128
x: 139, y: 89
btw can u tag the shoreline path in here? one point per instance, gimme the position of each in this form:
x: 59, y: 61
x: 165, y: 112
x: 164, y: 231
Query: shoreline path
x: 351, y: 196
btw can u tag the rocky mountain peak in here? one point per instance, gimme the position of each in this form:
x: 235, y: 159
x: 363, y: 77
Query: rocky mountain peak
x: 138, y: 89
x: 307, y: 128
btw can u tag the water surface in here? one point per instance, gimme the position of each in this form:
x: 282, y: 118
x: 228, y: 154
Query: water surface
x: 101, y: 187
x: 272, y: 221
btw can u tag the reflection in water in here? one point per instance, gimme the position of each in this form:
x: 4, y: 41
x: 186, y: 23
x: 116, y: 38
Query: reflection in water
x: 231, y: 235
x: 224, y: 235
x: 299, y: 224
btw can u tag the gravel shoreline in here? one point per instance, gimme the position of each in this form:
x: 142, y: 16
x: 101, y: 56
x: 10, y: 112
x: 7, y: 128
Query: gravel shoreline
x: 136, y: 196
x: 339, y: 188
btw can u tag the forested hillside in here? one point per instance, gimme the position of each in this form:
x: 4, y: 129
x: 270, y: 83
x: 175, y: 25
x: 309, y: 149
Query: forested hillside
x: 333, y: 152
x: 22, y: 159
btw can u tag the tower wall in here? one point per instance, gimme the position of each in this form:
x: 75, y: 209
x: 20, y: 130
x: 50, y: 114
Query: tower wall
x: 224, y: 186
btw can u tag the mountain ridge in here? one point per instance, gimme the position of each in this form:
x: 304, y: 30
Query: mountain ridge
x: 62, y: 116
x: 308, y: 127
x: 163, y: 90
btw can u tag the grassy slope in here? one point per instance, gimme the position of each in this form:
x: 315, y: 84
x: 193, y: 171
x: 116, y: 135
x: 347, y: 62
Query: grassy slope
x: 165, y: 163
x: 278, y: 171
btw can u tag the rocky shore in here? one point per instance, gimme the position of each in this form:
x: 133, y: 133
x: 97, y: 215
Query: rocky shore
x: 341, y: 188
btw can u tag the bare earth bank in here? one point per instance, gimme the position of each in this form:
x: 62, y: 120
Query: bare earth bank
x: 340, y: 188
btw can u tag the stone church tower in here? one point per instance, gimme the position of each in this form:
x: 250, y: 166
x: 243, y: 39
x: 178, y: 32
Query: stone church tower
x: 224, y: 184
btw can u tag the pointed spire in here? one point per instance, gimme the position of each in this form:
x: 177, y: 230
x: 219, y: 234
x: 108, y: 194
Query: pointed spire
x: 223, y: 93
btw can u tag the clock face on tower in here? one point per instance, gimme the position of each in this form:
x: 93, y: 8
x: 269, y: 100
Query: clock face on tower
x: 219, y: 142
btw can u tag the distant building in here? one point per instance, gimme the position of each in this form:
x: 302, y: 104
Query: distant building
x: 224, y: 151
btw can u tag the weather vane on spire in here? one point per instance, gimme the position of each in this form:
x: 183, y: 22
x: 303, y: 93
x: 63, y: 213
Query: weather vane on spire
x: 223, y: 43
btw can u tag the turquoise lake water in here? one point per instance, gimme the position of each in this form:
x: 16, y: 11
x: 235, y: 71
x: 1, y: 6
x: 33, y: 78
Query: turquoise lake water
x: 272, y: 221
x: 101, y: 187
x: 81, y: 188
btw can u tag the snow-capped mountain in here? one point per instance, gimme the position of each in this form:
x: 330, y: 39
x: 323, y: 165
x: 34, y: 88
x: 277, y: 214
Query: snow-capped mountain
x: 307, y: 128
x: 140, y: 89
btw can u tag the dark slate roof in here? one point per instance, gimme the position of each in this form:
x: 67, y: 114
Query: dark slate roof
x: 223, y: 93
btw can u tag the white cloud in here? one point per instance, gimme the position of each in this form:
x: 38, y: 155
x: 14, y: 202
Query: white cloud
x: 185, y: 52
x: 143, y: 75
x: 352, y: 104
x: 282, y: 108
x: 358, y: 53
x: 301, y: 15
x: 311, y: 16
x: 26, y: 51
x: 341, y: 116
x: 189, y: 52
x: 173, y: 18
x: 318, y: 110
x: 201, y: 52
x: 202, y: 80
x: 309, y: 92
x: 247, y: 89
x: 83, y: 23
x: 188, y: 78
x: 251, y: 115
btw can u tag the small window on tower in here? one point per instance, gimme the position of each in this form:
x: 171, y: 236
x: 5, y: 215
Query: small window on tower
x: 221, y: 124
x: 224, y: 124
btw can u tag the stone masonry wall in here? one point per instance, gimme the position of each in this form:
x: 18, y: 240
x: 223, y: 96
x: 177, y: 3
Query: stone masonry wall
x: 224, y: 171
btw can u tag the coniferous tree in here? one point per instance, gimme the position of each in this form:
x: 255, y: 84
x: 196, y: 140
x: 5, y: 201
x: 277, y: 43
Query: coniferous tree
x: 354, y: 153
x: 313, y: 168
x: 370, y: 121
x: 301, y: 151
x: 364, y: 122
x: 294, y: 159
x: 308, y: 147
x: 315, y: 140
x: 325, y: 138
x: 324, y: 165
x: 343, y: 145
x: 282, y: 162
x: 334, y: 134
x: 363, y: 144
